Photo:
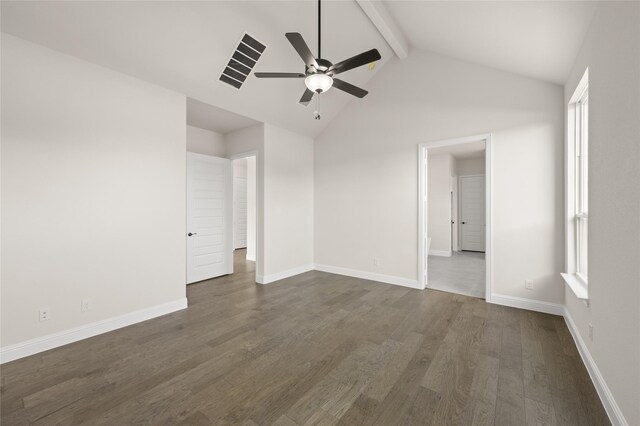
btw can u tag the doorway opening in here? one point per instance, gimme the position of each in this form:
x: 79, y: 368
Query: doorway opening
x: 221, y: 207
x: 244, y: 213
x: 454, y: 216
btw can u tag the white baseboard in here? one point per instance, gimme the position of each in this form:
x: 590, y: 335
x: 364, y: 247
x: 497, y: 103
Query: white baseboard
x: 50, y: 341
x: 529, y: 304
x: 445, y: 253
x: 611, y: 407
x: 389, y: 279
x: 251, y: 257
x: 266, y: 279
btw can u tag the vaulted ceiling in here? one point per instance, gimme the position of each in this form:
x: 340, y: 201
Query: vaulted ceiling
x: 538, y: 39
x: 184, y: 45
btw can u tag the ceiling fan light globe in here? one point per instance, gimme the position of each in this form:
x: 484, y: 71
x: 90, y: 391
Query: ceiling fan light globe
x: 318, y: 83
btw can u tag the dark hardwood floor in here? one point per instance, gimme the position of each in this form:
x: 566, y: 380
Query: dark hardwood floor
x: 313, y: 349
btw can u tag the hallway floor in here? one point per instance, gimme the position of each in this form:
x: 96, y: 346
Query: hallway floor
x: 462, y: 273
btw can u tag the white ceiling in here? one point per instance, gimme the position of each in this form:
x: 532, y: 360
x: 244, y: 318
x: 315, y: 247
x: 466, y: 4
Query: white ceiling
x: 538, y: 39
x: 461, y: 151
x: 209, y: 117
x: 184, y: 45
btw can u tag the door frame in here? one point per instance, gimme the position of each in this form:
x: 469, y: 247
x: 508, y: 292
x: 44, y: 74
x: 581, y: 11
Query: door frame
x: 423, y: 163
x: 259, y: 209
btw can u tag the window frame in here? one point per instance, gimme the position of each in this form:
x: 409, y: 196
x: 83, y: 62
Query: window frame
x: 581, y: 183
x: 576, y: 190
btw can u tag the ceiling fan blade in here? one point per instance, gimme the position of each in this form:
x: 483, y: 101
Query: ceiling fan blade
x: 301, y: 47
x: 356, y: 61
x: 349, y: 88
x: 279, y: 75
x: 306, y: 97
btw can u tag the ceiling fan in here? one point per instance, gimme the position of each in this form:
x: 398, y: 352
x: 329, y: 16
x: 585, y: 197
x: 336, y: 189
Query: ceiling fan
x: 320, y: 73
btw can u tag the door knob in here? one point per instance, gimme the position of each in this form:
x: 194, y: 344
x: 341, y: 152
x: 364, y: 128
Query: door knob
x: 192, y: 233
x: 464, y: 223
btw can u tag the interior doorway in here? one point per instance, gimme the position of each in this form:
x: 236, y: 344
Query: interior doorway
x: 239, y: 203
x: 454, y: 216
x: 244, y: 206
x: 210, y: 232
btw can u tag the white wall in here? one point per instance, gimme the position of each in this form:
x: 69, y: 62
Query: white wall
x: 93, y: 192
x: 440, y: 168
x: 470, y: 166
x: 288, y: 214
x: 202, y: 141
x: 611, y: 50
x: 245, y: 140
x: 239, y: 167
x: 366, y: 170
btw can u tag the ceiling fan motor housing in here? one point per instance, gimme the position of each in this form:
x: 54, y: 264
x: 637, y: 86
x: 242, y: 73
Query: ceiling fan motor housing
x: 323, y: 67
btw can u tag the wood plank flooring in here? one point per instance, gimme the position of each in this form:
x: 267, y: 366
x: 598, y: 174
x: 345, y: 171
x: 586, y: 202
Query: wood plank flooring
x: 315, y: 349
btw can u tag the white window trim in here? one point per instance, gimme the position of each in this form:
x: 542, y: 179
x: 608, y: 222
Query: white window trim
x: 574, y: 281
x: 577, y: 284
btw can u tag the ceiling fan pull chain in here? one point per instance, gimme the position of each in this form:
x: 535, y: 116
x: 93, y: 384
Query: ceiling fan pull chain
x: 316, y: 113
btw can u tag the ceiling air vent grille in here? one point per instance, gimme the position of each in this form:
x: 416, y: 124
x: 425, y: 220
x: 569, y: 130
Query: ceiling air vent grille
x: 242, y: 61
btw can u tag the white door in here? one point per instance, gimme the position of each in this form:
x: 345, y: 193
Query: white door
x: 209, y: 217
x: 472, y: 213
x: 239, y: 212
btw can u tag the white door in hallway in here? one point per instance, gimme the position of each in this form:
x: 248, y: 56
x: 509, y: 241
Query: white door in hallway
x: 239, y: 212
x: 209, y: 217
x: 472, y: 213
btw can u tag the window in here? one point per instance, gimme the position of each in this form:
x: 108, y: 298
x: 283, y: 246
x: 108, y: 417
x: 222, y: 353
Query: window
x: 577, y: 190
x: 581, y: 185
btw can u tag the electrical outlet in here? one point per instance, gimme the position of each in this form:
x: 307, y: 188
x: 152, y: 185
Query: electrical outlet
x: 44, y: 314
x: 528, y: 284
x: 86, y: 305
x: 375, y: 262
x: 591, y: 332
